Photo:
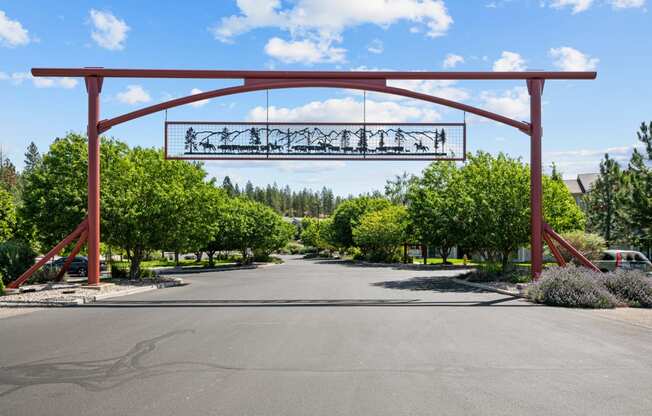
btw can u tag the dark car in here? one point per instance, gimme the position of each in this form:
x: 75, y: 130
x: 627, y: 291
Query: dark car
x: 79, y: 265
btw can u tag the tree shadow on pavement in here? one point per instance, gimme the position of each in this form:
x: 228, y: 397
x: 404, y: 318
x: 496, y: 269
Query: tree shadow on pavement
x: 435, y: 284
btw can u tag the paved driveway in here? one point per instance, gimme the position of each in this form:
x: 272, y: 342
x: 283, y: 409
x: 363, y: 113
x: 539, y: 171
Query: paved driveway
x: 361, y: 341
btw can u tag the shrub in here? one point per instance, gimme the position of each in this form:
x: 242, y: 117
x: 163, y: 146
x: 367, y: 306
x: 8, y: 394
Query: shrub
x: 380, y: 233
x: 15, y: 258
x: 119, y: 271
x: 2, y: 288
x: 573, y: 287
x: 630, y: 286
x: 590, y: 245
x: 44, y: 275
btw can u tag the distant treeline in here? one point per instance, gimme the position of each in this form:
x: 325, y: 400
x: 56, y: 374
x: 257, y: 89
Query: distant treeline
x: 287, y: 202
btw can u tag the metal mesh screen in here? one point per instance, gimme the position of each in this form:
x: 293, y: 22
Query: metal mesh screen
x: 369, y: 141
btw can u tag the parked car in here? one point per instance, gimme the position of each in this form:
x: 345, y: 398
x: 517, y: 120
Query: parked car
x: 79, y: 265
x: 625, y: 259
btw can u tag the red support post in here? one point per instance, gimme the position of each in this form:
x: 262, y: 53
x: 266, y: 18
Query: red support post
x: 93, y: 87
x: 535, y: 88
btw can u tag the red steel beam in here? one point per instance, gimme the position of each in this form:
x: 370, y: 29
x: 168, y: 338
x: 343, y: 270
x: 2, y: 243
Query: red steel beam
x: 104, y: 125
x: 93, y: 87
x: 73, y: 254
x: 341, y: 75
x: 579, y: 256
x: 69, y: 239
x: 555, y: 251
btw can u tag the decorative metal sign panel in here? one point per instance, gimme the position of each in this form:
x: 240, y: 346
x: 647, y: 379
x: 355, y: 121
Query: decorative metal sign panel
x: 315, y: 141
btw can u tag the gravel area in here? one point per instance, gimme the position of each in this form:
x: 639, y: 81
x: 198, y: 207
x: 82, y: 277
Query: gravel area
x: 76, y: 293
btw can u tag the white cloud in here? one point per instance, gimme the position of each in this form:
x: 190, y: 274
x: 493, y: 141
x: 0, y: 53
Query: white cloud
x: 509, y: 61
x: 134, y: 94
x: 12, y: 32
x: 17, y: 78
x: 627, y: 4
x: 347, y: 110
x: 199, y: 103
x: 575, y: 161
x: 452, y: 60
x: 303, y: 51
x: 569, y: 59
x: 438, y: 88
x: 376, y: 46
x: 322, y: 22
x: 109, y: 31
x: 579, y: 6
x: 514, y: 103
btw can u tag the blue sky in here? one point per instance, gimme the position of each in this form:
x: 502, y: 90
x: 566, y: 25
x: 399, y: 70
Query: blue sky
x: 582, y: 119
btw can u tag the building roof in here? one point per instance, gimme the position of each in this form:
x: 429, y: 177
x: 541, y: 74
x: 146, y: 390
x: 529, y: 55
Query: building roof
x: 586, y: 180
x: 573, y: 186
x: 582, y: 184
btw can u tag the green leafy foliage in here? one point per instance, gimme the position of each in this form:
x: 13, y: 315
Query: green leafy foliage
x: 589, y: 244
x: 437, y: 208
x: 638, y: 198
x: 7, y: 215
x: 347, y: 216
x: 603, y: 202
x: 380, y: 233
x: 15, y: 258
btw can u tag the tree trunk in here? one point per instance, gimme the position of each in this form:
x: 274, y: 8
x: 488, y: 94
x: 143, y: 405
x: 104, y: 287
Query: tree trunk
x: 134, y: 267
x: 176, y: 258
x: 506, y: 265
x: 198, y: 255
x: 210, y: 255
x: 445, y: 252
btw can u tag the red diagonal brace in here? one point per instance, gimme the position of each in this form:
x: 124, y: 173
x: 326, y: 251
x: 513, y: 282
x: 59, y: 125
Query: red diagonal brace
x: 579, y: 256
x: 553, y: 248
x: 73, y: 254
x: 69, y: 239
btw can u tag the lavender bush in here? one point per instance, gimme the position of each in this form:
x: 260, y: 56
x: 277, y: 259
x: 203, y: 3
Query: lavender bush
x: 630, y: 286
x: 573, y: 287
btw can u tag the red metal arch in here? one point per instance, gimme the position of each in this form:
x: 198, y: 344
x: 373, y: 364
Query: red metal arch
x: 260, y: 85
x: 89, y: 229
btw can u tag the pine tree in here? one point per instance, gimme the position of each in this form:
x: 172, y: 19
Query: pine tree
x: 32, y: 157
x: 603, y: 202
x: 639, y: 190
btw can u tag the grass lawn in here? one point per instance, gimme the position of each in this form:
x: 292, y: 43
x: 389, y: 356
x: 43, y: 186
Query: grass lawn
x: 148, y: 264
x: 437, y: 260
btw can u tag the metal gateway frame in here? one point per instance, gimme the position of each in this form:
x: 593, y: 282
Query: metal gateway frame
x: 89, y: 229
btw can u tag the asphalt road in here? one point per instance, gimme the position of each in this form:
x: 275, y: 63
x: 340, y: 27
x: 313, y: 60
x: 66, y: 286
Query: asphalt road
x: 361, y: 341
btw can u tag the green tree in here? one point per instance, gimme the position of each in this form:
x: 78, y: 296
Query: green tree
x: 380, y: 233
x: 348, y: 214
x: 604, y: 202
x: 7, y: 215
x: 32, y: 157
x: 437, y: 208
x: 638, y: 200
x: 397, y: 189
x: 560, y: 210
x: 496, y: 201
x: 54, y: 192
x: 8, y: 174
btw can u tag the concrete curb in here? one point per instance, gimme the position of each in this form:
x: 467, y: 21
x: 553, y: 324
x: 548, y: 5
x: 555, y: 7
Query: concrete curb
x: 489, y: 288
x: 124, y: 292
x: 415, y: 266
x: 41, y: 303
x: 201, y: 270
